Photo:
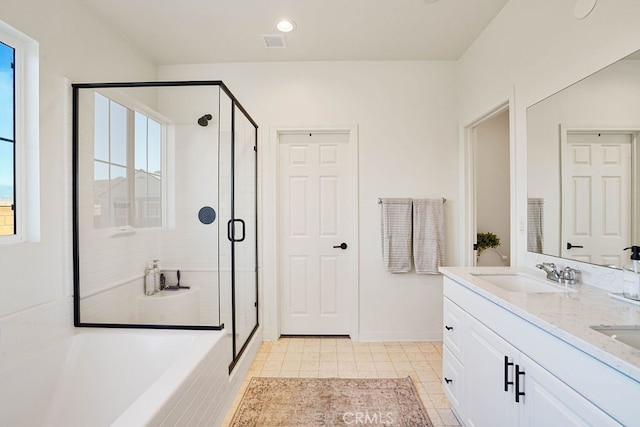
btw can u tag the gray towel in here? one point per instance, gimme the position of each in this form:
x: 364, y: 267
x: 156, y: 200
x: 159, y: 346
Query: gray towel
x: 396, y: 234
x: 535, y: 224
x: 428, y: 235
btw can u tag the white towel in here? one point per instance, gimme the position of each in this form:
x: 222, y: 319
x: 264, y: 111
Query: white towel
x: 535, y: 224
x: 428, y: 235
x: 396, y: 234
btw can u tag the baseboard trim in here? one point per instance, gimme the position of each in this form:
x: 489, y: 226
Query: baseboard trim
x: 314, y: 336
x: 399, y: 336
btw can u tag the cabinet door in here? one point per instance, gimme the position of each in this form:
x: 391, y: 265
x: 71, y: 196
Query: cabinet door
x: 549, y: 402
x: 486, y: 373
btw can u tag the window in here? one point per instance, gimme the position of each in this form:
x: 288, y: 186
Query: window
x: 127, y: 167
x: 19, y: 138
x: 7, y: 140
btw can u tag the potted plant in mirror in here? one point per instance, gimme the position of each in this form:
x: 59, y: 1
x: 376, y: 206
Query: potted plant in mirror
x: 486, y: 240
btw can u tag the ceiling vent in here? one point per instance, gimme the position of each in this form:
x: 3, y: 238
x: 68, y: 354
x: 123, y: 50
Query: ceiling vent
x: 274, y: 40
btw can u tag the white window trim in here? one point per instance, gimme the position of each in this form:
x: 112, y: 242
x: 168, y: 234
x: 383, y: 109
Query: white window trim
x: 27, y: 136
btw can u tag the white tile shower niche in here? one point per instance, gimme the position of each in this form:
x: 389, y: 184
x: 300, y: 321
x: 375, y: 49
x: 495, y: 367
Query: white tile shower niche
x: 164, y: 186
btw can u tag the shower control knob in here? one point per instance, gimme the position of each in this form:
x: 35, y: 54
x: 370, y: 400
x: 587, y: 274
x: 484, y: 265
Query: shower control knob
x: 342, y: 246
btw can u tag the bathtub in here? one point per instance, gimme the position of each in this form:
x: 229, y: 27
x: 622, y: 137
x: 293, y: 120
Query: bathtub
x: 113, y: 377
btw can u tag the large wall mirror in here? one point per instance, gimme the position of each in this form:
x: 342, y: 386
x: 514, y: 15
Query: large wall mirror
x: 583, y: 156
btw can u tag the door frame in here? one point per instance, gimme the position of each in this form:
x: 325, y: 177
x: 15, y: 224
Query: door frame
x: 468, y: 137
x: 270, y: 192
x: 634, y: 131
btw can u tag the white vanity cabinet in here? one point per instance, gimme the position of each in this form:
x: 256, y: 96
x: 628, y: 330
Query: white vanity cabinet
x: 490, y: 359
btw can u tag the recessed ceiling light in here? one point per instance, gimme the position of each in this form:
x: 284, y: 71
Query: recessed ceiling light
x: 286, y: 26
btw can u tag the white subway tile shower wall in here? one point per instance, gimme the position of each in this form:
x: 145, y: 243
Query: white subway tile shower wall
x: 102, y: 260
x: 115, y: 305
x: 120, y: 304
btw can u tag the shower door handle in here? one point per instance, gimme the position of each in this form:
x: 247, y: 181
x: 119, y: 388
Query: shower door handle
x: 231, y: 235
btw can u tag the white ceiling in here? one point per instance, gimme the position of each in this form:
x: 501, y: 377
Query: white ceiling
x: 210, y: 31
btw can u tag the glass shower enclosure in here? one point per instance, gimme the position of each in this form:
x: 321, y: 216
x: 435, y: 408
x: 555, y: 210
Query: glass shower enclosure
x: 165, y: 208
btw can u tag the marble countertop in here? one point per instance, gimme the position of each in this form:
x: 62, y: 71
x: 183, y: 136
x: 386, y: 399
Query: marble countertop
x: 566, y: 315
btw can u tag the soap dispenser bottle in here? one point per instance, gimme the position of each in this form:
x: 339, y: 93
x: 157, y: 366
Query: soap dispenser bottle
x: 631, y: 276
x: 149, y: 284
x: 156, y: 275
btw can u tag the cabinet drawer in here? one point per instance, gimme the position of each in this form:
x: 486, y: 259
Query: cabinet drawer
x: 452, y: 380
x: 452, y: 328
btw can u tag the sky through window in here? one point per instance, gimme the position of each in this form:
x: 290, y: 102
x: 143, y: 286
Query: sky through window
x: 7, y: 122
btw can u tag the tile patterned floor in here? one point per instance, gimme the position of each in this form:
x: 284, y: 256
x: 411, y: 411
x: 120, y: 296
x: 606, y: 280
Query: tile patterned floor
x: 330, y: 357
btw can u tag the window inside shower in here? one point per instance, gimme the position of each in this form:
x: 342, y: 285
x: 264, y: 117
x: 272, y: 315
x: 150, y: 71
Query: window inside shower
x: 127, y: 185
x: 165, y: 208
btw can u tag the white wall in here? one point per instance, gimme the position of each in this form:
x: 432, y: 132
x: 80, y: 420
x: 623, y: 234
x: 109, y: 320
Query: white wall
x: 76, y: 45
x: 535, y: 49
x: 405, y: 113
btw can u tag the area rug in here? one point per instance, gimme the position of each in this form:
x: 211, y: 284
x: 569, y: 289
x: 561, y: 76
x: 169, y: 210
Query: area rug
x: 311, y: 402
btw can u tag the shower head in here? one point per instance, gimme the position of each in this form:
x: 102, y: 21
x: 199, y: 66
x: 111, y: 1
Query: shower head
x: 204, y: 120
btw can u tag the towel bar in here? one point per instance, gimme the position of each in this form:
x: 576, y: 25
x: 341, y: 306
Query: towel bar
x: 380, y: 200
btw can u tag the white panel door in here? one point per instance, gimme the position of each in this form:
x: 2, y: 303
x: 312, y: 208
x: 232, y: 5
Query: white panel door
x: 596, y: 199
x: 316, y: 274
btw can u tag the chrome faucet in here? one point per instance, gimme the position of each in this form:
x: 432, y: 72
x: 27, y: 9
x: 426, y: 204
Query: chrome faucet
x: 550, y: 268
x: 566, y: 276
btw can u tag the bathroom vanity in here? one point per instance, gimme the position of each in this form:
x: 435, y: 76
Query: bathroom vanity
x: 521, y: 351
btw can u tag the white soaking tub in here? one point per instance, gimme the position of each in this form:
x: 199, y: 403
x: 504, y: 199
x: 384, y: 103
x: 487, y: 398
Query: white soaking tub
x: 109, y: 377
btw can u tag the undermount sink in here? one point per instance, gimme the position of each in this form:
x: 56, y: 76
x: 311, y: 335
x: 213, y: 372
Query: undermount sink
x: 517, y: 282
x: 628, y: 334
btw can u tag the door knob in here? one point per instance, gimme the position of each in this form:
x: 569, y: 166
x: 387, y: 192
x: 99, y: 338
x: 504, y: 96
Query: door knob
x: 342, y: 246
x: 569, y: 246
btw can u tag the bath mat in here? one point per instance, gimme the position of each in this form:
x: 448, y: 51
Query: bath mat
x: 307, y: 402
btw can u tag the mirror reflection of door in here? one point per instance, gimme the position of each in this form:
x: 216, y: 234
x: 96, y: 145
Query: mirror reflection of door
x: 492, y: 187
x: 597, y: 197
